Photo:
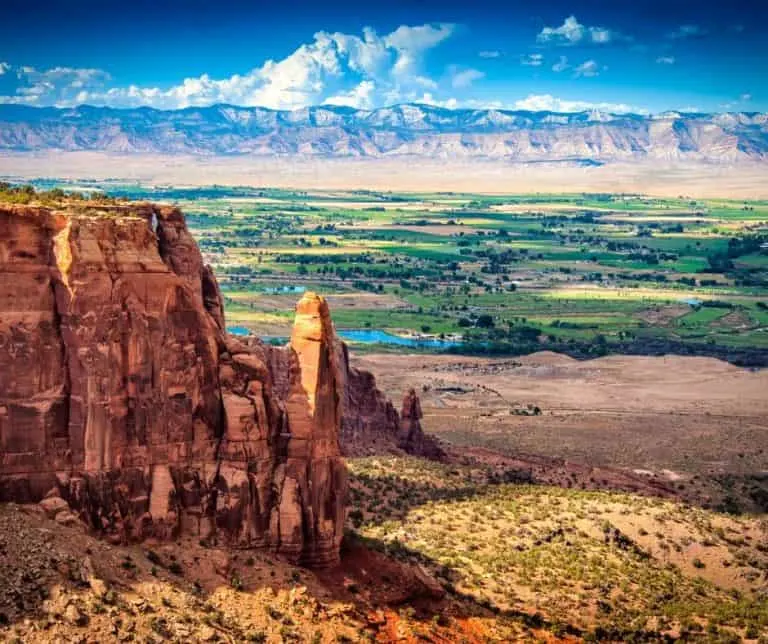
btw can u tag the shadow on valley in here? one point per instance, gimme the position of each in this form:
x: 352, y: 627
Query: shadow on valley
x: 60, y: 582
x: 595, y: 562
x: 437, y: 552
x: 477, y: 470
x: 399, y: 576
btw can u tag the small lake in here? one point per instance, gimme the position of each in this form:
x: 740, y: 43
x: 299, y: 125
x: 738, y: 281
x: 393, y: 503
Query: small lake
x: 377, y: 336
x: 367, y: 336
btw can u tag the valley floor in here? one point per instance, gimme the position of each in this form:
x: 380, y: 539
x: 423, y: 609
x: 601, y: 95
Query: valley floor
x: 664, y: 178
x: 698, y: 426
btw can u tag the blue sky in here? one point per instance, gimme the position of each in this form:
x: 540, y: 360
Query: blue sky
x: 563, y: 55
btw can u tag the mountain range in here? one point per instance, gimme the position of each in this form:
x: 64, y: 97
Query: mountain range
x: 412, y: 130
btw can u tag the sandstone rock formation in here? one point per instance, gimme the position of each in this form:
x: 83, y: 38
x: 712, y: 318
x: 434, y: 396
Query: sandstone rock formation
x: 121, y: 393
x: 412, y: 437
x: 124, y: 400
x: 370, y: 424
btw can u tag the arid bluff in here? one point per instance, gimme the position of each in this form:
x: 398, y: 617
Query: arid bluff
x: 122, y: 395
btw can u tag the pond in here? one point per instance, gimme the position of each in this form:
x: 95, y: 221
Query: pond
x: 377, y: 336
x: 366, y: 336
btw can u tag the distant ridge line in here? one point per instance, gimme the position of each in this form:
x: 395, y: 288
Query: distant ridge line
x: 407, y: 129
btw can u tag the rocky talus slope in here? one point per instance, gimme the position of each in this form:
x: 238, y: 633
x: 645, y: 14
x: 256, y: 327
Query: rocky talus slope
x: 124, y: 402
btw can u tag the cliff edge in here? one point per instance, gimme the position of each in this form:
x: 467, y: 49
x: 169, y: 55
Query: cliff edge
x: 122, y: 394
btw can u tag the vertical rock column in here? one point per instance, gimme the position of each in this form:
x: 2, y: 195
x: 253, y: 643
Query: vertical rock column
x: 308, y: 522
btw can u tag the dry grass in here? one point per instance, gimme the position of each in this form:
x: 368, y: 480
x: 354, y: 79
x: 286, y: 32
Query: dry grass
x: 61, y: 585
x: 593, y: 561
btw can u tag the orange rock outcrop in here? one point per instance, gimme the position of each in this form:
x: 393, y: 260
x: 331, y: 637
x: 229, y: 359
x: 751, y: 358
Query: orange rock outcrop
x: 124, y: 399
x: 122, y: 394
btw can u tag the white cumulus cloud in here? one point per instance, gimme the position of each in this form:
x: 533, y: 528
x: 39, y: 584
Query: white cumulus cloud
x: 464, y: 78
x: 448, y: 103
x: 63, y: 84
x: 587, y: 69
x: 344, y: 69
x: 532, y: 60
x: 572, y: 32
x: 360, y: 97
x: 666, y: 60
x: 489, y: 53
x: 561, y: 65
x: 549, y: 103
x: 410, y: 43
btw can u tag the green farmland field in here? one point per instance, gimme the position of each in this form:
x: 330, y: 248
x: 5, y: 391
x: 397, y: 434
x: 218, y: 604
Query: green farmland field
x: 593, y: 273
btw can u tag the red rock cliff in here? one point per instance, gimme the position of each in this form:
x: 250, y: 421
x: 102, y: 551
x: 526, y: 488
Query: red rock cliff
x: 121, y: 392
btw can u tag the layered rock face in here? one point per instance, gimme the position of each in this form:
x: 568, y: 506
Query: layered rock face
x: 370, y: 424
x: 121, y: 393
